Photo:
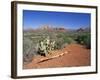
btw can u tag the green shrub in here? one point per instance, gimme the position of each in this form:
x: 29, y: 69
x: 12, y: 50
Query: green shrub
x: 63, y: 39
x: 84, y: 39
x: 28, y: 50
x: 59, y: 43
x: 68, y: 40
x: 87, y: 41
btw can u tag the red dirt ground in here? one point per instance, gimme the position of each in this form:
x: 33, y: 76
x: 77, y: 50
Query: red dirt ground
x: 77, y: 55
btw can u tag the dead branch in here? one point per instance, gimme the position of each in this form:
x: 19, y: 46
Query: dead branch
x: 49, y: 58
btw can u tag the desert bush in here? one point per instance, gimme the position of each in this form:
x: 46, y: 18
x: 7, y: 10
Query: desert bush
x: 84, y: 39
x: 87, y: 41
x: 68, y: 40
x: 59, y: 43
x: 64, y: 38
x: 28, y: 50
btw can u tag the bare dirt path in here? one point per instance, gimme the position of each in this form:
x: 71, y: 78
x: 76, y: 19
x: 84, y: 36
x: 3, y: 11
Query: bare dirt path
x: 77, y: 55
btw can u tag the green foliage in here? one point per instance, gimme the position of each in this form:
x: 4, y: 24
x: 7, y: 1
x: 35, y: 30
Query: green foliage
x: 64, y: 38
x: 59, y: 43
x: 68, y: 40
x: 84, y: 39
x: 28, y: 50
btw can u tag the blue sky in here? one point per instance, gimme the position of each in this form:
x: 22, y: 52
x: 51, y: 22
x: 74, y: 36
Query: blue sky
x: 68, y: 20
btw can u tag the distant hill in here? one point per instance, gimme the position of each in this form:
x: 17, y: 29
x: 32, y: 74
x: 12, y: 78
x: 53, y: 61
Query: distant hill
x: 87, y: 29
x: 53, y: 28
x: 80, y: 30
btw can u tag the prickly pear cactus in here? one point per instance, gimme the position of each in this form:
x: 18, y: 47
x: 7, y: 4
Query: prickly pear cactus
x: 45, y: 46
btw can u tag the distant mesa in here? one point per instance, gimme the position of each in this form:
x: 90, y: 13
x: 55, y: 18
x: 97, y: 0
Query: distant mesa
x: 60, y: 29
x: 51, y: 28
x: 80, y: 30
x: 45, y: 27
x: 48, y: 28
x: 84, y: 29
